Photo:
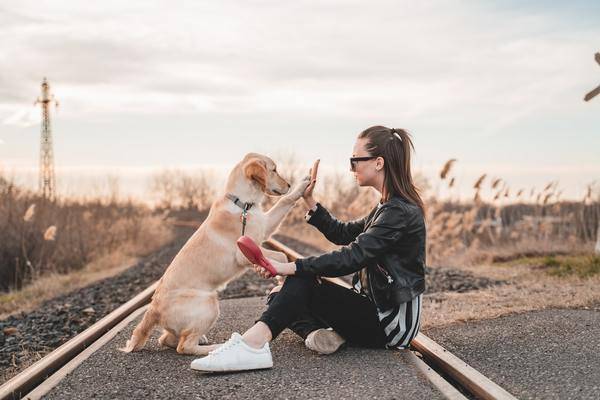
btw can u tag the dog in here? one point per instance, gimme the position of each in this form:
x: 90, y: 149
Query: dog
x: 185, y: 303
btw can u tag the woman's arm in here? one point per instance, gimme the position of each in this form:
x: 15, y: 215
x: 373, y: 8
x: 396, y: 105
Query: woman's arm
x: 334, y: 230
x: 384, y: 232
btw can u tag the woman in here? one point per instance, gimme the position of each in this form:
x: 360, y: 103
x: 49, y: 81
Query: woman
x: 385, y: 250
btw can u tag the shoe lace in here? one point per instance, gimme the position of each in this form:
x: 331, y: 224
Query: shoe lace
x: 228, y: 344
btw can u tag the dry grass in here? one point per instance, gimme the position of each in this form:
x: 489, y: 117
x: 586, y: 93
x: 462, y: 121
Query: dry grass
x: 53, y: 285
x: 49, y: 248
x: 174, y: 189
x: 42, y: 238
x: 500, y: 222
x: 581, y: 265
x: 110, y: 264
x: 528, y: 290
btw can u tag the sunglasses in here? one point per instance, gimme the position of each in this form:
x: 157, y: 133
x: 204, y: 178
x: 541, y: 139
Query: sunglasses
x: 354, y: 161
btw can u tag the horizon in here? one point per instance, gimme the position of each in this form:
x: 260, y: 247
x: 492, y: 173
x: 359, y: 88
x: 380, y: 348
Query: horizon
x: 136, y: 183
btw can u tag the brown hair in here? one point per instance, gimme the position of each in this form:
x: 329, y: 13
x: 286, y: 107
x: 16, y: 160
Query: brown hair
x: 383, y: 142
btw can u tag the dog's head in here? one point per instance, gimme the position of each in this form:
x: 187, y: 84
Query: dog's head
x: 262, y: 171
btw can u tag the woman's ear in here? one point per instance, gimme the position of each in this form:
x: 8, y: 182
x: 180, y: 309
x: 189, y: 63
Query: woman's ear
x: 255, y: 169
x: 379, y: 163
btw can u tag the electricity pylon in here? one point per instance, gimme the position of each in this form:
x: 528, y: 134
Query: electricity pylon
x: 47, y: 179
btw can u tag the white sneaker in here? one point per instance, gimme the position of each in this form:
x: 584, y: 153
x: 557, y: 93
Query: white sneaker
x: 324, y: 341
x: 234, y: 355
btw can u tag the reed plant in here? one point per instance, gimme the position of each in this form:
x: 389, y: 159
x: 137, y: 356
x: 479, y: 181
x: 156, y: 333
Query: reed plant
x: 40, y: 237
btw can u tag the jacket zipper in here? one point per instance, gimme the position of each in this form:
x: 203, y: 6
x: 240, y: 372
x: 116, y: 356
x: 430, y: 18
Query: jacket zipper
x: 389, y: 278
x: 371, y: 290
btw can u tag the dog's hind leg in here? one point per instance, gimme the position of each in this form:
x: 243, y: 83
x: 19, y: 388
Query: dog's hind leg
x: 188, y: 344
x: 167, y: 339
x: 142, y: 331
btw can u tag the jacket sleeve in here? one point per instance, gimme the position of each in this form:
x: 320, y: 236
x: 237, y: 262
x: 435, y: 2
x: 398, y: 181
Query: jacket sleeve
x: 382, y: 234
x: 334, y: 230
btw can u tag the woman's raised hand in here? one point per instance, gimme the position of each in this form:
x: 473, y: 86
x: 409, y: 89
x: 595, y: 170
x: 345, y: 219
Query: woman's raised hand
x: 308, y: 193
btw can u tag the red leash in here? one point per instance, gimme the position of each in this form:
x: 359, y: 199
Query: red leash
x: 254, y: 254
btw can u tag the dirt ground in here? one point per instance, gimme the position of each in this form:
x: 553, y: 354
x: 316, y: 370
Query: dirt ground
x: 527, y: 289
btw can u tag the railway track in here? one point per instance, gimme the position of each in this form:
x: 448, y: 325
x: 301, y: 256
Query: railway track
x: 454, y: 378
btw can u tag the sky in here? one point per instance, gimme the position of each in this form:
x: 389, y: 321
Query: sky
x: 148, y: 85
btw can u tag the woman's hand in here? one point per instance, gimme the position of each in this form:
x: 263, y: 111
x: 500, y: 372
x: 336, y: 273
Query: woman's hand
x: 288, y: 268
x: 308, y: 193
x: 299, y: 189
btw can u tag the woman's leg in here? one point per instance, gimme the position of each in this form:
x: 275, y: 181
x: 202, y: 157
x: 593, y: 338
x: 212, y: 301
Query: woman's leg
x: 314, y: 332
x: 290, y: 305
x: 306, y: 305
x: 304, y: 324
x: 257, y: 335
x: 287, y: 307
x: 350, y: 314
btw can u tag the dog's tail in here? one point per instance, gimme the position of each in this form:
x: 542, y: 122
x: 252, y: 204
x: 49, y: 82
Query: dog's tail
x: 141, y: 332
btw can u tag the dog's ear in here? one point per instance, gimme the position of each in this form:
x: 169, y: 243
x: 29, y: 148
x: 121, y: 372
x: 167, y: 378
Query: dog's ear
x: 256, y: 170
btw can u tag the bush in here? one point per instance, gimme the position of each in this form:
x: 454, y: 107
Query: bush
x: 39, y: 237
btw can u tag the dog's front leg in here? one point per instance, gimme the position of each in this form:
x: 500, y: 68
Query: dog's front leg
x: 278, y: 212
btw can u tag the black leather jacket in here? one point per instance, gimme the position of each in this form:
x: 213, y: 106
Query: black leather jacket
x: 385, y: 250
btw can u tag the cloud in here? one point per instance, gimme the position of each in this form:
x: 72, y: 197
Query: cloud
x: 23, y: 118
x: 395, y: 61
x: 10, y: 18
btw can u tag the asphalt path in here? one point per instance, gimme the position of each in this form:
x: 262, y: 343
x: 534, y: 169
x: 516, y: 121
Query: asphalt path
x: 547, y: 354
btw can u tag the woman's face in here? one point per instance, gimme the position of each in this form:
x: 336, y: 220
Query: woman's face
x: 369, y: 172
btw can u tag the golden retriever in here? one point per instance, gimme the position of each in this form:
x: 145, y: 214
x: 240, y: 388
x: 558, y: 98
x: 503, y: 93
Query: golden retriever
x: 185, y: 302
